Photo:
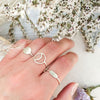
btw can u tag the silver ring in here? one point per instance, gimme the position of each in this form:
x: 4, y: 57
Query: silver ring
x: 54, y: 75
x: 28, y: 51
x: 41, y: 57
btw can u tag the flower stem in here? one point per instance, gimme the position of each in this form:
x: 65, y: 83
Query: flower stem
x: 11, y: 33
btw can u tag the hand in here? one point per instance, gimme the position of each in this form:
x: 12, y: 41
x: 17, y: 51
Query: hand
x: 23, y: 79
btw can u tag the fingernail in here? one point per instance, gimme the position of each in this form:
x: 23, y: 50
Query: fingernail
x: 74, y: 89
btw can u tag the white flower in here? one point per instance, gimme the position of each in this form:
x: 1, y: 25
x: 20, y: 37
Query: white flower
x: 96, y: 93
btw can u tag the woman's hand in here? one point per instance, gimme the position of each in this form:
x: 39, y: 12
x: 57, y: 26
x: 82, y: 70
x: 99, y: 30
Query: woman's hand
x: 21, y: 78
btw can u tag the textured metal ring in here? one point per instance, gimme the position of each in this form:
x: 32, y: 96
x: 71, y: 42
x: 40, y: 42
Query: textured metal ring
x: 28, y: 51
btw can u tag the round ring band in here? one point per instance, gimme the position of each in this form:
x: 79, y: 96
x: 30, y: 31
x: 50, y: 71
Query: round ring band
x: 54, y: 75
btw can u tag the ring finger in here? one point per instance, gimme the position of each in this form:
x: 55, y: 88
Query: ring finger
x: 61, y: 67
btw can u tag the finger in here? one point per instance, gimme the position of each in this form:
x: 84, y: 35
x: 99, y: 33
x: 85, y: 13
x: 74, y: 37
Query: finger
x: 61, y: 67
x: 35, y: 46
x: 52, y: 50
x: 68, y: 92
x: 15, y: 50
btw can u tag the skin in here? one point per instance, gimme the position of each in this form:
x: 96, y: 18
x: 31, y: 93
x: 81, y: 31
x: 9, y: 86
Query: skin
x: 22, y: 79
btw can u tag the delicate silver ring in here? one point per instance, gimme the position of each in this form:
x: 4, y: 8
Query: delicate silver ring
x: 41, y: 57
x: 28, y: 51
x: 54, y: 75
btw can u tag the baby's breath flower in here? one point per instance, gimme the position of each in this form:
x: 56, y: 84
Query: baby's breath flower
x: 59, y: 18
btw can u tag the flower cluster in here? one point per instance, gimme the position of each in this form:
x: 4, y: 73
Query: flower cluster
x: 80, y: 17
x: 61, y: 15
x: 58, y: 18
x: 85, y: 94
x: 81, y: 95
x: 90, y: 22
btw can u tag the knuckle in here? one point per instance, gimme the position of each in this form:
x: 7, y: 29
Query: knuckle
x: 69, y: 59
x: 40, y: 41
x: 74, y: 56
x: 66, y: 39
x: 65, y: 61
x: 69, y: 41
x: 53, y: 45
x: 22, y: 40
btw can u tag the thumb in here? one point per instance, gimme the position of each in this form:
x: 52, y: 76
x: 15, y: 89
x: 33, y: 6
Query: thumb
x: 68, y: 92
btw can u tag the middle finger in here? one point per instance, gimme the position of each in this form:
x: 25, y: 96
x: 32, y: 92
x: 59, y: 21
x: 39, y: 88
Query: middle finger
x: 51, y: 51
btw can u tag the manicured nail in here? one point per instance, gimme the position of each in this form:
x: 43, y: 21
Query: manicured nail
x: 74, y: 89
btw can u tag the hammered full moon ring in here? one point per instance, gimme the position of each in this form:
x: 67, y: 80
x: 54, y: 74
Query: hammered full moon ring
x: 28, y: 51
